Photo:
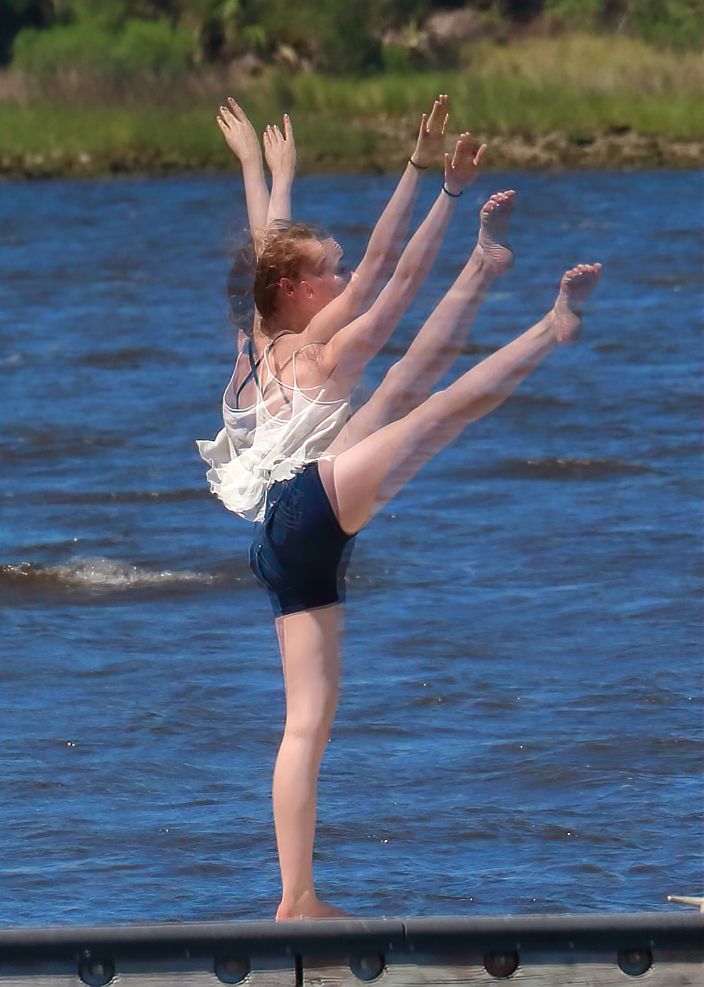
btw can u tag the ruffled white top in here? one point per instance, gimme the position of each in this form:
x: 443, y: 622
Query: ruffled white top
x: 256, y: 447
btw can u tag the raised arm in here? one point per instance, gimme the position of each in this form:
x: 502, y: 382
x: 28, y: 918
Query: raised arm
x: 348, y: 352
x: 383, y: 248
x: 280, y: 153
x: 388, y: 234
x: 242, y: 140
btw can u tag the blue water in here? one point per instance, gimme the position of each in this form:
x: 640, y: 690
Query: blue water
x: 520, y: 728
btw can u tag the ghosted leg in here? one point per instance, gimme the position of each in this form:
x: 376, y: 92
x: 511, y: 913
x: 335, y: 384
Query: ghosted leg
x: 443, y: 335
x: 364, y: 477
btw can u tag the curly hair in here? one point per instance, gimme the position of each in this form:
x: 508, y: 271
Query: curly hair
x: 285, y: 249
x: 285, y: 252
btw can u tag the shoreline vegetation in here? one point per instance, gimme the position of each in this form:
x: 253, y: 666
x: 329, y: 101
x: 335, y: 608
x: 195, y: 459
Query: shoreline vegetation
x: 541, y: 98
x: 549, y: 152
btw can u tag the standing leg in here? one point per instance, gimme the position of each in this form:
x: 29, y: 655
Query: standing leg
x: 364, y: 477
x: 311, y: 664
x: 442, y: 337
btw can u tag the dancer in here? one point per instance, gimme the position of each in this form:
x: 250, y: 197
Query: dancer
x: 439, y: 342
x: 267, y: 216
x: 311, y: 507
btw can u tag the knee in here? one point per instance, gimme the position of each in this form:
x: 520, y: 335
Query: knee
x: 432, y: 416
x: 312, y: 722
x: 403, y: 391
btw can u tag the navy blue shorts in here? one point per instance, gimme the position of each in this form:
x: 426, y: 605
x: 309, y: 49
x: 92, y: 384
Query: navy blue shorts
x: 300, y: 553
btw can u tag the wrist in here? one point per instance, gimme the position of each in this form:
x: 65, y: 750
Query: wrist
x: 417, y: 163
x: 251, y: 162
x: 451, y: 191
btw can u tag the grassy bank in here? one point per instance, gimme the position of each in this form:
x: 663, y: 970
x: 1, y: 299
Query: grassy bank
x: 570, y: 101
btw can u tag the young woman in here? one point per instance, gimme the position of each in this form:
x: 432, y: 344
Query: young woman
x: 293, y: 460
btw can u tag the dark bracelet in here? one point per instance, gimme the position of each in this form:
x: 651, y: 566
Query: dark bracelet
x: 453, y: 195
x: 419, y: 167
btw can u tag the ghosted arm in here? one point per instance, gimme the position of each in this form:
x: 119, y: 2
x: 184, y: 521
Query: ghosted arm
x: 349, y: 351
x: 280, y: 153
x: 242, y: 140
x: 389, y: 233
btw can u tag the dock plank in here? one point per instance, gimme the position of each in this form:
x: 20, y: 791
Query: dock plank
x: 575, y: 971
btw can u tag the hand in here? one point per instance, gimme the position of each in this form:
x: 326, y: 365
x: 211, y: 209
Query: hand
x: 280, y: 150
x: 462, y: 169
x: 239, y: 133
x: 431, y: 134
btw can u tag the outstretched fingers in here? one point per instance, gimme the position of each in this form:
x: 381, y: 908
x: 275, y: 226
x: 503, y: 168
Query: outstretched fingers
x: 462, y: 147
x: 431, y: 133
x: 238, y: 132
x: 280, y: 148
x: 437, y: 121
x: 225, y: 117
x: 463, y: 167
x: 237, y: 110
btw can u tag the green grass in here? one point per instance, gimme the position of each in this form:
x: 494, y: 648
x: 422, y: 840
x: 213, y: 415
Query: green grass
x: 579, y: 86
x: 56, y: 139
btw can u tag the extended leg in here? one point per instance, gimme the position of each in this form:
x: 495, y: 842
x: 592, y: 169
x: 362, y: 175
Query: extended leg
x: 364, y: 477
x: 442, y: 337
x: 310, y: 653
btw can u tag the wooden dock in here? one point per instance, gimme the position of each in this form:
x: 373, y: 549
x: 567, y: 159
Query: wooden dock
x: 660, y: 949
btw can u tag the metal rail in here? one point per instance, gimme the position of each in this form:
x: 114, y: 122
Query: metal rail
x: 564, y: 950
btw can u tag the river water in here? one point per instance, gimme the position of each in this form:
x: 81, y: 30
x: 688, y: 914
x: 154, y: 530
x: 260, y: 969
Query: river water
x: 520, y: 727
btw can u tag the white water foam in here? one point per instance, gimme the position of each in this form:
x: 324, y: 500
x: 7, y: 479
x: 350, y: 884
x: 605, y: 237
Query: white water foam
x: 100, y: 573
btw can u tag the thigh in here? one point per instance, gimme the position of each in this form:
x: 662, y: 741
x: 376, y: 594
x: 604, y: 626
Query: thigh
x: 310, y: 643
x: 398, y: 393
x: 361, y: 479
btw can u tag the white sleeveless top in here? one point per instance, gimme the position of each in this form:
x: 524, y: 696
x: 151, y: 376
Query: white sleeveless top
x: 271, y: 439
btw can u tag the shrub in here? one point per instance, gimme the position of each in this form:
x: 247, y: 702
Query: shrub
x: 154, y: 46
x: 396, y: 59
x: 49, y: 53
x: 581, y: 14
x: 138, y: 47
x: 679, y: 23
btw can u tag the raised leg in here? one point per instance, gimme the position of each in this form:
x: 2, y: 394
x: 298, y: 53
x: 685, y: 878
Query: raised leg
x: 364, y: 477
x: 442, y: 337
x: 310, y: 654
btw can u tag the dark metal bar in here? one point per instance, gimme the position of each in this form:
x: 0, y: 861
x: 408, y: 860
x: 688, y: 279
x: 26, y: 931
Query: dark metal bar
x: 673, y: 931
x: 203, y: 939
x: 565, y: 933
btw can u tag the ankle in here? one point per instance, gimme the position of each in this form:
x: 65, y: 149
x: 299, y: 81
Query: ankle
x: 480, y: 265
x: 294, y: 900
x: 296, y: 906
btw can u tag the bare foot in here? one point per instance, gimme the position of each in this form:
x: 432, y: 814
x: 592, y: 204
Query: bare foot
x: 494, y: 217
x: 308, y: 906
x: 575, y: 287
